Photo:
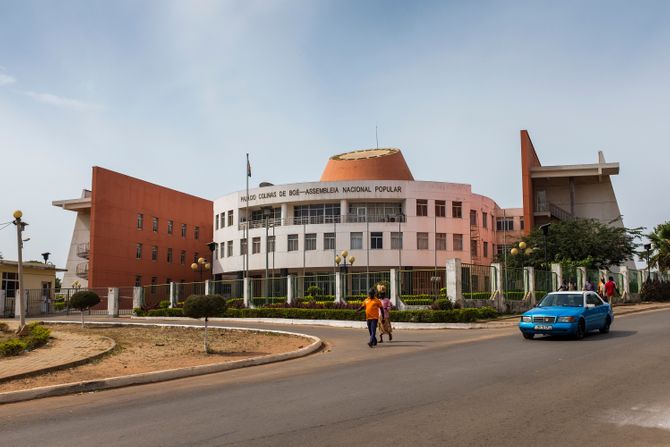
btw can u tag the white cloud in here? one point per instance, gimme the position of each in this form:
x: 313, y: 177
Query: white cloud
x: 61, y: 101
x: 6, y: 79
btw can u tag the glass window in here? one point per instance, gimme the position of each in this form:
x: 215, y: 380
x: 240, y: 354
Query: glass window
x: 169, y: 255
x: 230, y: 218
x: 505, y: 224
x: 458, y: 242
x: 375, y: 212
x: 440, y: 241
x: 310, y: 241
x: 356, y: 239
x: 243, y: 246
x: 216, y: 252
x: 223, y: 219
x: 140, y: 221
x: 329, y: 241
x: 485, y: 220
x: 182, y: 257
x: 440, y: 208
x: 521, y: 223
x: 138, y: 251
x: 422, y: 241
x: 421, y: 207
x: 154, y: 224
x: 196, y: 233
x: 222, y: 249
x: 138, y: 281
x: 229, y: 248
x: 10, y: 283
x: 256, y: 245
x: 183, y: 230
x: 593, y: 299
x: 271, y: 244
x: 474, y: 246
x: 457, y: 210
x: 473, y: 217
x: 376, y: 240
x: 216, y: 221
x: 486, y: 249
x: 316, y: 213
x: 293, y: 242
x: 170, y: 225
x: 154, y: 252
x: 396, y: 240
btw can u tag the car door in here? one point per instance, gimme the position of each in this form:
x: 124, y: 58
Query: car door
x: 595, y: 311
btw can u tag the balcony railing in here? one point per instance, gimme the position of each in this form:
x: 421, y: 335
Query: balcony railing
x: 83, y: 250
x: 82, y: 270
x: 317, y: 220
x: 553, y: 210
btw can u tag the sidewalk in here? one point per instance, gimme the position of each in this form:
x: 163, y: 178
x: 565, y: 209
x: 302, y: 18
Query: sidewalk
x: 63, y: 350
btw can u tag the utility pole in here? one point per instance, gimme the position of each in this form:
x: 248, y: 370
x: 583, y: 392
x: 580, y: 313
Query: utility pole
x: 20, y: 225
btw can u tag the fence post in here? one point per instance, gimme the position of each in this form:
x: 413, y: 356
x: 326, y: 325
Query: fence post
x: 208, y: 287
x: 138, y: 298
x: 454, y: 286
x: 113, y: 301
x: 556, y: 268
x: 625, y: 293
x: 289, y: 288
x: 529, y: 284
x: 173, y: 294
x: 248, y: 302
x: 395, y: 295
x: 497, y: 287
x: 339, y: 298
x: 2, y: 303
x: 581, y: 278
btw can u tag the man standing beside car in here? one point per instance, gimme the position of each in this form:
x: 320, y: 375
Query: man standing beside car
x: 610, y: 290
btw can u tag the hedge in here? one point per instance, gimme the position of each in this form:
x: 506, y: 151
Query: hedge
x: 37, y: 336
x: 418, y: 301
x: 169, y: 312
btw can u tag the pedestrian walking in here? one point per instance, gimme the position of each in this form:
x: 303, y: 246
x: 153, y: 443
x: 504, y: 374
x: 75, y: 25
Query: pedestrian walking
x: 601, y: 286
x: 385, y: 315
x: 611, y: 289
x: 564, y: 286
x: 588, y: 286
x: 373, y: 308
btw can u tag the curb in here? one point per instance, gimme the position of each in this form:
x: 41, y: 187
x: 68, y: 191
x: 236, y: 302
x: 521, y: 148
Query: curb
x: 159, y: 376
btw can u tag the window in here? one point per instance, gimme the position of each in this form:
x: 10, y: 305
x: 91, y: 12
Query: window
x: 138, y: 281
x: 154, y: 224
x: 169, y: 255
x: 10, y: 282
x: 474, y: 247
x: 223, y: 219
x: 440, y: 241
x: 243, y: 246
x: 421, y: 207
x: 216, y: 252
x: 216, y: 221
x: 229, y: 248
x: 458, y: 242
x: 591, y: 298
x: 196, y: 233
x: 154, y: 252
x: 222, y: 249
x: 422, y: 241
x: 356, y: 239
x: 396, y: 240
x: 140, y: 221
x: 138, y: 251
x: 440, y: 208
x: 485, y: 220
x: 271, y: 244
x: 375, y: 212
x: 230, y: 218
x: 315, y: 213
x: 292, y: 242
x: 486, y: 249
x: 310, y: 241
x: 183, y: 230
x: 457, y: 210
x: 255, y: 245
x: 473, y: 217
x: 195, y: 257
x: 170, y: 225
x: 182, y: 257
x: 505, y: 224
x: 376, y: 240
x: 329, y: 241
x: 521, y: 223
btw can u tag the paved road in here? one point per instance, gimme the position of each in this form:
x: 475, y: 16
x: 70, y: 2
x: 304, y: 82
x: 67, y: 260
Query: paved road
x: 461, y: 388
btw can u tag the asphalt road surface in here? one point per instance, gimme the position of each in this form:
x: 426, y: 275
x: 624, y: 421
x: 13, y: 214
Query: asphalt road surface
x: 457, y: 388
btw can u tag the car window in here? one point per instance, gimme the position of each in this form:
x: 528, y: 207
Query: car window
x: 593, y: 299
x: 563, y: 299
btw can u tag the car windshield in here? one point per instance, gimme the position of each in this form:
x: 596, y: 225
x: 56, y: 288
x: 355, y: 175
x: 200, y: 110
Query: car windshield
x: 563, y: 299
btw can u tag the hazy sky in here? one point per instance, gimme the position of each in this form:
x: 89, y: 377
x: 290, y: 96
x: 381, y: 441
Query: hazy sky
x: 175, y: 92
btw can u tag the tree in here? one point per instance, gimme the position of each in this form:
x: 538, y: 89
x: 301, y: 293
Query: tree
x: 204, y: 306
x: 584, y: 242
x: 660, y: 244
x: 84, y: 300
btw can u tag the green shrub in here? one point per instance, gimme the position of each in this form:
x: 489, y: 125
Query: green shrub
x: 442, y: 304
x: 205, y: 306
x: 39, y: 335
x: 169, y: 312
x: 260, y: 301
x: 139, y: 312
x: 418, y: 301
x: 313, y: 291
x: 478, y: 295
x: 84, y: 300
x: 163, y: 304
x: 59, y: 305
x: 13, y: 346
x: 443, y: 291
x: 655, y: 290
x: 4, y: 327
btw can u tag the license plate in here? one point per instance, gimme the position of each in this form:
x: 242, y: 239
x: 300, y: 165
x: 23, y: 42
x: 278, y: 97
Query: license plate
x: 542, y: 328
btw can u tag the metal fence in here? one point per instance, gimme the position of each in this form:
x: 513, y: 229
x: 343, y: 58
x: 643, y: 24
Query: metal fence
x: 154, y: 294
x: 476, y: 281
x: 634, y: 281
x: 228, y: 288
x: 268, y: 291
x: 545, y: 282
x: 421, y: 287
x: 356, y: 285
x: 324, y: 281
x: 513, y: 280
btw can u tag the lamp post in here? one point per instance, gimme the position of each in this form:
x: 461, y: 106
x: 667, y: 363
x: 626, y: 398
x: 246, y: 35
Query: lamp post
x: 341, y: 260
x: 267, y: 212
x: 20, y: 226
x: 201, y: 266
x: 545, y: 232
x: 647, y: 247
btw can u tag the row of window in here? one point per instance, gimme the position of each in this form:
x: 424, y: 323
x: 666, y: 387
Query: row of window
x: 225, y: 249
x: 507, y: 223
x: 170, y: 226
x: 220, y: 219
x: 139, y: 248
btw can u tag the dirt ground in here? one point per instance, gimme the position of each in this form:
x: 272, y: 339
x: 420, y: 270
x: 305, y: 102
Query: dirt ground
x: 141, y: 350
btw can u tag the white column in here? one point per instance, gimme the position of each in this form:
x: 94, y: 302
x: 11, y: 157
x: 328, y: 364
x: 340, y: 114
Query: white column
x: 290, y: 280
x: 173, y: 294
x: 208, y: 286
x: 529, y: 283
x: 556, y: 268
x: 339, y: 290
x: 581, y: 278
x: 138, y: 298
x: 113, y: 301
x: 625, y: 293
x: 395, y: 302
x: 454, y: 286
x: 498, y: 287
x: 2, y: 303
x: 248, y: 302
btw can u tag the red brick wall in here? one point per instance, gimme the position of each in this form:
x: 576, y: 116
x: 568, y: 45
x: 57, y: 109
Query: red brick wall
x: 529, y: 160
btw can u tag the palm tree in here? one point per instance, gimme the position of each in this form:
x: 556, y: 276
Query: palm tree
x: 660, y: 241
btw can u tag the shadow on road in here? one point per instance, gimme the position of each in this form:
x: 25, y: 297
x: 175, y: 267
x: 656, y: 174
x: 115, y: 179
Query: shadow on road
x: 591, y: 336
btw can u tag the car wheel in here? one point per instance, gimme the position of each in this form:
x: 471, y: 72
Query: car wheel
x: 581, y: 330
x: 528, y: 336
x: 606, y: 328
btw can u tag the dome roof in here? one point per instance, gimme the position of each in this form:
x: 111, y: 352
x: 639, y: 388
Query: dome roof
x: 367, y: 164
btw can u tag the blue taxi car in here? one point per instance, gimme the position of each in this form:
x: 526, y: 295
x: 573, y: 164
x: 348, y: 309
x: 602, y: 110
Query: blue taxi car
x: 567, y: 313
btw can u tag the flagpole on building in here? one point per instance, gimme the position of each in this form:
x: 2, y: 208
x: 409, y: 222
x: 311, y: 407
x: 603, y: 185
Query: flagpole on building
x: 246, y: 254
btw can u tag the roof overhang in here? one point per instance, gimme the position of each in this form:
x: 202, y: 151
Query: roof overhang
x: 33, y: 265
x: 584, y: 170
x: 73, y: 204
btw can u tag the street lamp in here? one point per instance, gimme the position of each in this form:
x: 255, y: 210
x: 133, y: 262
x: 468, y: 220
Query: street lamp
x: 523, y: 249
x: 647, y: 247
x: 341, y: 260
x: 545, y: 232
x: 46, y: 257
x: 201, y: 266
x: 20, y: 226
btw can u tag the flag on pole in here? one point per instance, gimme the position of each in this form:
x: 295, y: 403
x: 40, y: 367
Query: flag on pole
x: 248, y: 167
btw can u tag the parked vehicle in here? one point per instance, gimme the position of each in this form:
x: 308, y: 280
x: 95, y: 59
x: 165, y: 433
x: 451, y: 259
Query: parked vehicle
x: 567, y: 313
